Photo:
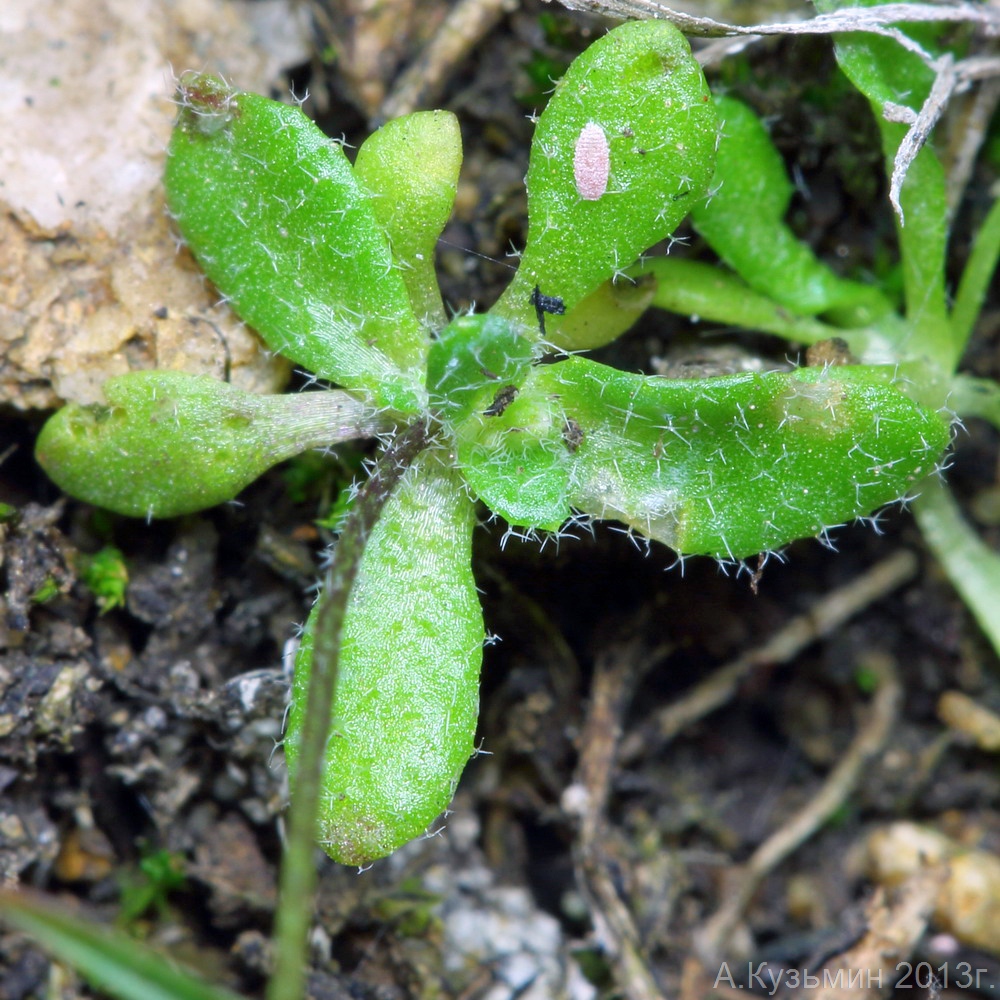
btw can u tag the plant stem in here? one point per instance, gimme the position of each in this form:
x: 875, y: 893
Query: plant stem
x: 693, y: 288
x: 298, y: 421
x: 298, y: 869
x: 971, y: 565
x: 976, y: 279
x: 976, y: 397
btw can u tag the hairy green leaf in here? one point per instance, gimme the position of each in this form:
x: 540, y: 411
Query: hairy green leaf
x: 407, y: 697
x: 623, y: 149
x: 272, y: 210
x: 473, y: 362
x: 516, y: 458
x: 168, y: 443
x: 739, y: 464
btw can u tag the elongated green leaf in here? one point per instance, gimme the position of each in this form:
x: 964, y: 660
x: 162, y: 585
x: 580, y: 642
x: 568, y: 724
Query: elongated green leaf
x: 622, y: 150
x: 168, y: 443
x: 923, y: 243
x: 404, y: 712
x: 272, y: 210
x: 744, y: 221
x: 976, y: 278
x: 113, y: 962
x: 410, y: 167
x: 698, y: 289
x: 740, y: 464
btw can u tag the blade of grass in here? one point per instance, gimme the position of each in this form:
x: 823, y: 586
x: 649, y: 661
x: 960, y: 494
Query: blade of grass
x: 110, y: 960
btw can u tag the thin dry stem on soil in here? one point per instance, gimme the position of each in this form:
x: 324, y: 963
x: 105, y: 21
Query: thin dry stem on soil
x: 616, y: 673
x: 871, y: 738
x: 829, y: 613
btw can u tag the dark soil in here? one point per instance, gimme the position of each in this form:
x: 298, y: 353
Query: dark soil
x: 137, y: 747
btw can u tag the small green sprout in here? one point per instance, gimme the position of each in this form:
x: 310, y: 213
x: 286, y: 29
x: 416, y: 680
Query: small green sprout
x: 106, y: 575
x: 332, y: 264
x: 49, y: 590
x: 159, y: 873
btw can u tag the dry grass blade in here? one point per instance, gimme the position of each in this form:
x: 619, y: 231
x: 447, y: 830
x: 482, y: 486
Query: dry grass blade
x: 950, y: 78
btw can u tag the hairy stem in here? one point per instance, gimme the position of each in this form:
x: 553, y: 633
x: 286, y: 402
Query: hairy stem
x: 304, y: 420
x: 298, y: 870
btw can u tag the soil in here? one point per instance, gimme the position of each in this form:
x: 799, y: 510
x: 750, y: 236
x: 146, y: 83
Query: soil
x: 588, y: 850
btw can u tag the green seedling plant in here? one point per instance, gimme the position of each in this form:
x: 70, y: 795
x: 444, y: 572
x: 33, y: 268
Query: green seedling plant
x: 106, y: 576
x: 332, y: 263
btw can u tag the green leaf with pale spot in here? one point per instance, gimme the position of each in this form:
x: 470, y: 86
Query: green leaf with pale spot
x: 642, y: 89
x: 739, y: 464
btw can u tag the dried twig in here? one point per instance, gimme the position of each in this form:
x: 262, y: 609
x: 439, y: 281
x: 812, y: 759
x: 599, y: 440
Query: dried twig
x: 841, y: 781
x: 466, y: 24
x: 896, y: 921
x: 615, y: 675
x: 876, y: 19
x: 950, y: 78
x: 828, y: 614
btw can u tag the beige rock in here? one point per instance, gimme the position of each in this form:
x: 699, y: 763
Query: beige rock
x: 91, y: 280
x: 968, y: 901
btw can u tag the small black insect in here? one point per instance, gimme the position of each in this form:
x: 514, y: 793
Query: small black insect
x: 504, y: 397
x: 551, y: 304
